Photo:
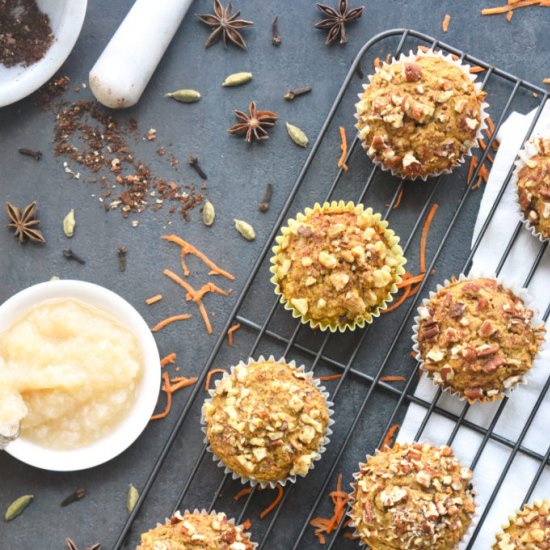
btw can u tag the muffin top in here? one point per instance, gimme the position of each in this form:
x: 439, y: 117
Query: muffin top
x: 412, y: 496
x: 529, y: 529
x: 476, y: 338
x: 534, y: 187
x: 419, y: 117
x: 266, y: 421
x: 336, y: 265
x: 196, y: 531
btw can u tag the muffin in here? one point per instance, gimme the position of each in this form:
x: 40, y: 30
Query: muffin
x: 476, y: 338
x: 267, y: 421
x: 420, y: 115
x: 528, y: 529
x: 337, y: 265
x: 533, y: 183
x: 197, y: 531
x: 412, y: 497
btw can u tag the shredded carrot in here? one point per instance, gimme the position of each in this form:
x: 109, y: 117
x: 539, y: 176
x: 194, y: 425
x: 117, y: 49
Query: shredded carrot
x: 477, y: 69
x: 184, y: 267
x: 491, y: 125
x: 190, y: 249
x: 399, y: 197
x: 411, y: 280
x: 208, y: 287
x: 181, y: 382
x: 209, y: 377
x: 509, y: 16
x: 230, y: 333
x: 344, y: 147
x: 153, y: 299
x: 331, y: 377
x: 243, y: 492
x: 168, y: 390
x: 328, y: 525
x: 400, y: 301
x: 274, y: 504
x: 168, y: 359
x: 348, y: 535
x: 424, y: 237
x: 246, y: 524
x: 205, y: 318
x: 388, y: 440
x: 179, y: 281
x: 509, y: 7
x: 446, y: 23
x: 169, y: 320
x: 393, y: 378
x: 546, y: 81
x: 484, y: 173
x: 473, y: 165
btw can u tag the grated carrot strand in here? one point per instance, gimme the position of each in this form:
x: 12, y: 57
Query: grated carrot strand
x: 153, y: 299
x: 274, y: 504
x: 388, y: 439
x: 209, y: 377
x: 446, y: 23
x: 344, y: 147
x: 424, y: 237
x: 168, y: 407
x: 169, y: 320
x: 168, y: 359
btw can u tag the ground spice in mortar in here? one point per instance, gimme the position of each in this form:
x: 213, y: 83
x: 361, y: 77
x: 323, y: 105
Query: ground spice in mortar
x: 25, y: 33
x: 87, y: 135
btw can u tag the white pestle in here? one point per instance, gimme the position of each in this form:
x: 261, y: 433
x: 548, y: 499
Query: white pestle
x: 126, y: 65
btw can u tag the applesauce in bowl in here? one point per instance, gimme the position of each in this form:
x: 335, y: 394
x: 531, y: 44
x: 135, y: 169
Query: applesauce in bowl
x: 79, y: 370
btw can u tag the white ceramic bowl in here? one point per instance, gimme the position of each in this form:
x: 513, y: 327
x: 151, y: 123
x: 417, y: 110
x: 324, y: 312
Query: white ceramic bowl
x: 129, y: 429
x: 66, y: 19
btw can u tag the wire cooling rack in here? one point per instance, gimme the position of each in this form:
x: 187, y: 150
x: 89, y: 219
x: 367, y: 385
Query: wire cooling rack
x: 365, y: 405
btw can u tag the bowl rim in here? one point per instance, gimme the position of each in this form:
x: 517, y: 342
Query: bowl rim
x: 135, y: 421
x: 29, y: 79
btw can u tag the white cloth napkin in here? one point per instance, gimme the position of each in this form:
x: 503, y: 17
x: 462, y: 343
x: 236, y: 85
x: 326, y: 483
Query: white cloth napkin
x: 515, y: 414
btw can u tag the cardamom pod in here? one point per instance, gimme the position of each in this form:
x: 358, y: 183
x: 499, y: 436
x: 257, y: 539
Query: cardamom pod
x: 17, y: 507
x: 208, y: 213
x: 69, y: 223
x: 245, y: 229
x: 185, y: 96
x: 297, y: 135
x: 237, y: 79
x: 132, y: 498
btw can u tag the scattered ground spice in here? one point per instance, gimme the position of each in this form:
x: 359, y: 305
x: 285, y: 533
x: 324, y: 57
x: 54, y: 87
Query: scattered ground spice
x: 91, y: 137
x: 25, y: 33
x: 53, y: 89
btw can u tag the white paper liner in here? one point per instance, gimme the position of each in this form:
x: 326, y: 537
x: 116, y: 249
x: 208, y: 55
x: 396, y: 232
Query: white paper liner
x: 536, y: 322
x: 535, y: 505
x: 469, y: 531
x: 320, y: 451
x: 392, y: 241
x: 483, y: 114
x: 529, y: 150
x: 204, y: 512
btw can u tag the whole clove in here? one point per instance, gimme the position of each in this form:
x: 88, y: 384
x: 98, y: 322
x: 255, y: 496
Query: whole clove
x: 121, y: 252
x: 264, y: 204
x: 36, y: 155
x: 276, y: 37
x: 70, y: 255
x: 194, y: 163
x: 291, y: 94
x: 79, y: 494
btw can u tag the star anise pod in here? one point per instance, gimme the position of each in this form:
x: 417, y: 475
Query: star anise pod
x: 70, y: 545
x: 225, y: 24
x: 254, y: 124
x: 337, y: 19
x: 24, y: 222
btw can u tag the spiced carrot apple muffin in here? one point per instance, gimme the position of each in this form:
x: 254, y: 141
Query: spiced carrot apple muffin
x: 476, y: 338
x: 267, y: 421
x: 534, y: 187
x: 197, y: 531
x: 412, y: 497
x: 337, y: 265
x: 528, y: 529
x: 420, y: 115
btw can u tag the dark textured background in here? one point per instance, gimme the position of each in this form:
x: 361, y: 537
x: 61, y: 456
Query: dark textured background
x: 237, y: 178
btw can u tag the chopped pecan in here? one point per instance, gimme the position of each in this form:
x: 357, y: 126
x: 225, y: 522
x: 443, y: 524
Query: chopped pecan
x: 469, y: 354
x: 486, y: 329
x: 487, y: 349
x: 494, y: 363
x: 545, y: 193
x: 304, y: 231
x: 413, y: 72
x: 457, y: 311
x: 429, y: 330
x: 471, y: 287
x: 377, y: 143
x: 473, y: 393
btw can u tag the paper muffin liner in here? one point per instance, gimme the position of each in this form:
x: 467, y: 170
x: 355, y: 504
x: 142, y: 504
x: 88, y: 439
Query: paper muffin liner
x: 512, y: 519
x: 483, y: 114
x: 529, y: 150
x: 392, y: 241
x: 536, y: 322
x: 204, y: 512
x: 465, y: 537
x: 326, y: 439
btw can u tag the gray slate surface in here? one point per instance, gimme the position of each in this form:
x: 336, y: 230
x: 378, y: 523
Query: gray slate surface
x: 237, y: 177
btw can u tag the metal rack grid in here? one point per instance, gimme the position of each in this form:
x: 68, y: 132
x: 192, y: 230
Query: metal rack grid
x: 292, y: 339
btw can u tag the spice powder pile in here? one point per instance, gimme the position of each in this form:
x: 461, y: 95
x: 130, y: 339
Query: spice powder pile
x: 90, y: 137
x: 25, y: 33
